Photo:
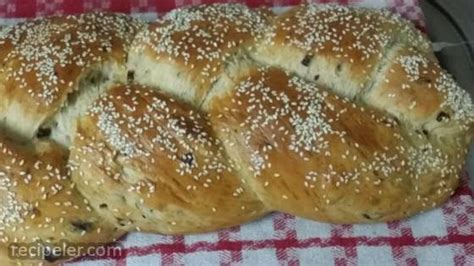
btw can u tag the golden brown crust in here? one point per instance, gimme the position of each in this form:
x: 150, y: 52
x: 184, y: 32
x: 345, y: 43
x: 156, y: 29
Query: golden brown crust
x: 147, y: 161
x: 43, y: 62
x: 407, y: 87
x: 376, y: 59
x: 43, y: 59
x: 349, y: 50
x: 196, y: 43
x: 39, y: 201
x: 336, y: 46
x: 338, y: 162
x: 336, y: 138
x: 415, y: 88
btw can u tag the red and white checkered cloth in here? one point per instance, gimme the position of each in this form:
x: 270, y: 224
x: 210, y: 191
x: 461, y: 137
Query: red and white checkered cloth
x: 14, y: 10
x: 444, y: 236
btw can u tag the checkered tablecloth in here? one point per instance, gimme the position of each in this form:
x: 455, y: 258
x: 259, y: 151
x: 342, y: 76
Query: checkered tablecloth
x: 14, y: 10
x: 444, y: 236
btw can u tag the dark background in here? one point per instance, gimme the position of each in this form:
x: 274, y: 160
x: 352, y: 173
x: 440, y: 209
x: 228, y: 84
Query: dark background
x: 452, y: 21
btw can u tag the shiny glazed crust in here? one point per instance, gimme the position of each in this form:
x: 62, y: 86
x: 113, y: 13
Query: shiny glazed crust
x: 216, y: 115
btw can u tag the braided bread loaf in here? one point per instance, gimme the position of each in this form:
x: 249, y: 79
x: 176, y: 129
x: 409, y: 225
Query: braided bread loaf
x: 47, y: 65
x: 216, y: 115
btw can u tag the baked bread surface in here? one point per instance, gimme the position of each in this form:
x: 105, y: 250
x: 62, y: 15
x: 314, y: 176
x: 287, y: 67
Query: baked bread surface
x: 50, y: 69
x: 216, y: 115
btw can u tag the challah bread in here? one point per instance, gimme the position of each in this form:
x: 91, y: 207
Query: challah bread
x: 302, y: 145
x: 40, y: 203
x: 403, y: 168
x: 48, y: 63
x: 331, y: 113
x: 335, y: 46
x: 51, y: 70
x: 186, y: 51
x: 375, y: 59
x: 415, y: 89
x: 149, y: 162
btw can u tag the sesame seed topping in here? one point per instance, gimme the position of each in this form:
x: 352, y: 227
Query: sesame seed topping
x: 12, y: 211
x: 47, y: 47
x: 202, y: 38
x: 411, y: 64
